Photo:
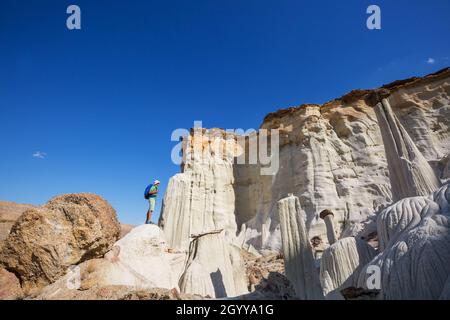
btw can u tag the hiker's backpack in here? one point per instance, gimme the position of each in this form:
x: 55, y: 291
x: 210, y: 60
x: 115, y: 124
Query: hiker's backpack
x: 147, y: 191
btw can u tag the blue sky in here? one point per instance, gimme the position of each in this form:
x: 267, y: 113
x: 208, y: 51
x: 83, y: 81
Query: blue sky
x: 102, y: 102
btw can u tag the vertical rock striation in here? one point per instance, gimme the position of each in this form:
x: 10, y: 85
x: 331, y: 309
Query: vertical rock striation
x: 331, y: 156
x: 298, y: 258
x: 341, y: 260
x: 409, y: 172
x: 415, y: 261
x: 202, y: 197
x: 213, y: 268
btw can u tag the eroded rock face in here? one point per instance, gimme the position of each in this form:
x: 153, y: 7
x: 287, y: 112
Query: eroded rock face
x: 332, y: 156
x: 297, y: 252
x: 202, y: 197
x: 69, y: 229
x: 401, y: 216
x: 341, y: 260
x: 9, y: 213
x: 409, y: 172
x: 214, y: 268
x: 415, y: 261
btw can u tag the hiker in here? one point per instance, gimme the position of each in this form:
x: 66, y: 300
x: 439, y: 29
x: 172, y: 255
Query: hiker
x: 150, y: 194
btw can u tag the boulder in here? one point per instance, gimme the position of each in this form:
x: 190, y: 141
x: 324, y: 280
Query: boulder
x: 66, y: 231
x: 341, y: 260
x: 9, y: 286
x: 9, y: 213
x: 125, y: 229
x: 415, y: 263
x: 139, y: 260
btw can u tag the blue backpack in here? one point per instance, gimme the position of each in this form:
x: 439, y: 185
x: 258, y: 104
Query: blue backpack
x: 147, y: 191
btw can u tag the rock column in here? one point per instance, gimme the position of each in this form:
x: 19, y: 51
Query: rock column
x: 328, y: 217
x: 212, y: 268
x: 409, y: 172
x: 298, y: 257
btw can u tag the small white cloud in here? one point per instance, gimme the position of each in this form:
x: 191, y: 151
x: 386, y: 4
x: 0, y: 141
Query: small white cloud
x: 39, y: 155
x: 431, y: 61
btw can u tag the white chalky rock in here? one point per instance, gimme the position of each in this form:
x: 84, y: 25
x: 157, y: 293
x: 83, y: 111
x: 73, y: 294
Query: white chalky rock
x: 402, y: 215
x: 213, y: 268
x: 417, y: 264
x: 341, y: 260
x: 331, y: 156
x: 298, y: 257
x: 196, y: 280
x: 202, y: 197
x: 409, y: 172
x: 139, y: 259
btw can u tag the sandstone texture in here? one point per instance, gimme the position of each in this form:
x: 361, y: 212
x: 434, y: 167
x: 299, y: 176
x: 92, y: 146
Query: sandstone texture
x: 409, y: 172
x: 214, y: 268
x: 139, y: 260
x: 10, y: 288
x: 297, y: 252
x: 341, y: 260
x: 362, y: 183
x: 415, y: 261
x: 202, y: 197
x: 69, y: 229
x: 331, y: 156
x: 9, y: 213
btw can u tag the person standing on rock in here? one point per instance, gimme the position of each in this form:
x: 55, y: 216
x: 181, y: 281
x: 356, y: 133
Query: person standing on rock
x: 150, y: 194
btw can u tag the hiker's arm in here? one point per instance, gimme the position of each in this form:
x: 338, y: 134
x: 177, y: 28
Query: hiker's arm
x: 154, y: 191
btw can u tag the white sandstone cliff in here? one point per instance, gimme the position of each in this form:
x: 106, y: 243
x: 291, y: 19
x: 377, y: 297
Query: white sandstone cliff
x: 331, y: 156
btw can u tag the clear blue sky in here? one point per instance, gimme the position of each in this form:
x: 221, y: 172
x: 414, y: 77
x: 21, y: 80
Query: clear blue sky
x: 101, y: 102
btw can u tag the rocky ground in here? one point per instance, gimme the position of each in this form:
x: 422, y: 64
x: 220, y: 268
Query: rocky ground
x: 106, y: 270
x: 266, y: 278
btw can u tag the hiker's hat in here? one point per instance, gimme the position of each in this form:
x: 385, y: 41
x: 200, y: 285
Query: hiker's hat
x: 156, y: 182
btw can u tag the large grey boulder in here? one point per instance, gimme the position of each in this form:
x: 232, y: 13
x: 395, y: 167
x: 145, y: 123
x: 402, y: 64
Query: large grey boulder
x: 343, y: 259
x: 415, y: 263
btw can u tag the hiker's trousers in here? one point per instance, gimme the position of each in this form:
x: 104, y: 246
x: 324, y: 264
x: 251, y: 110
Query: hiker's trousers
x: 152, y: 202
